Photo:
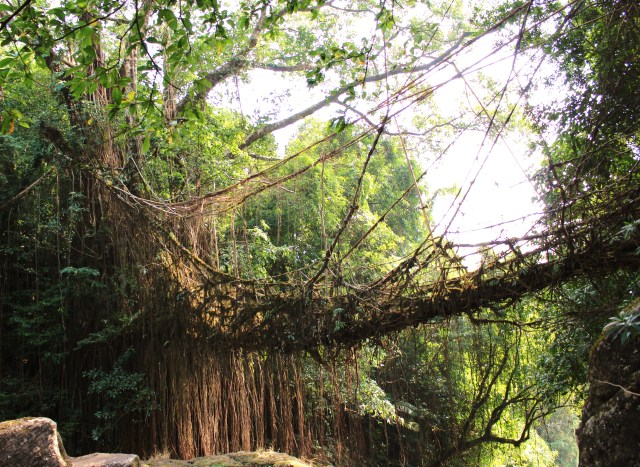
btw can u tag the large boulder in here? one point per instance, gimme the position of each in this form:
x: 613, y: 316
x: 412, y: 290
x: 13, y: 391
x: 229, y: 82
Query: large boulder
x: 99, y: 459
x: 33, y: 442
x: 609, y: 434
x: 234, y: 459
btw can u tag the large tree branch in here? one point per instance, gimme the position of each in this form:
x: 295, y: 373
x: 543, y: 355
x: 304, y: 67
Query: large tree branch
x: 336, y: 94
x: 230, y: 68
x: 285, y: 68
x: 271, y: 127
x: 241, y: 62
x: 237, y: 63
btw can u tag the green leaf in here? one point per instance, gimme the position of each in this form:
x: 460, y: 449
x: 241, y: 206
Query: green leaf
x: 60, y: 13
x: 203, y: 85
x: 85, y: 32
x: 117, y: 95
x: 82, y: 272
x: 146, y: 143
x: 7, y: 62
x: 168, y: 17
x: 7, y: 126
x: 338, y: 124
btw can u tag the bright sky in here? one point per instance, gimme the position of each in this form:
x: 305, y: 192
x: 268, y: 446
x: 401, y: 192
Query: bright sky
x: 499, y: 204
x: 496, y: 175
x: 501, y: 191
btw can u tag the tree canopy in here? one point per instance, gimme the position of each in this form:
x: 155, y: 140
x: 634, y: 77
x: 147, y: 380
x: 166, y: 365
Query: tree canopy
x: 151, y: 208
x: 136, y: 78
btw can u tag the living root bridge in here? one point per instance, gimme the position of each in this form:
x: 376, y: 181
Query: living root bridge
x: 329, y: 313
x: 296, y: 320
x: 297, y: 323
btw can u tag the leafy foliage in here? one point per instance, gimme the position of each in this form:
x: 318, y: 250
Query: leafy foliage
x: 152, y: 236
x: 624, y: 326
x: 124, y: 393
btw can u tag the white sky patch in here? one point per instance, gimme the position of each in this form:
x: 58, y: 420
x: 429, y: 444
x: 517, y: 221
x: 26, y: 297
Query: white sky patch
x: 494, y: 179
x: 500, y: 196
x: 497, y: 198
x: 500, y: 201
x: 282, y: 97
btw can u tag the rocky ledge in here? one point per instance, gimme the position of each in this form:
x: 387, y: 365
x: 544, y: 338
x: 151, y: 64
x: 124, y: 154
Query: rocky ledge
x: 609, y: 435
x: 235, y: 459
x: 35, y: 442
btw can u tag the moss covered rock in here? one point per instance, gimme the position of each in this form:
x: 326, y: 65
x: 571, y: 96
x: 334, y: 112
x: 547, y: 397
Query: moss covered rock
x: 609, y: 434
x: 32, y: 441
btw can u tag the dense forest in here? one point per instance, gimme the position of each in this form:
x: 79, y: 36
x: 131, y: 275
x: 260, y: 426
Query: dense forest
x: 218, y: 230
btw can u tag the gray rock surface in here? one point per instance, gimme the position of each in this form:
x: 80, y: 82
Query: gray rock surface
x: 609, y: 434
x: 35, y: 442
x: 31, y: 442
x: 99, y: 459
x: 234, y: 459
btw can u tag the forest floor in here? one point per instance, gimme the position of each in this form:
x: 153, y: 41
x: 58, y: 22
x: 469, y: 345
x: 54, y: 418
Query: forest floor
x: 235, y: 459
